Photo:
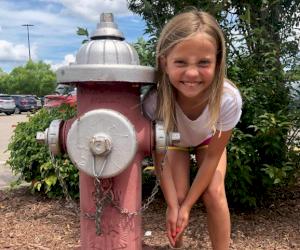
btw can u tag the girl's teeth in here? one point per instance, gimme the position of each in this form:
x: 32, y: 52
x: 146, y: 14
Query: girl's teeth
x: 190, y: 83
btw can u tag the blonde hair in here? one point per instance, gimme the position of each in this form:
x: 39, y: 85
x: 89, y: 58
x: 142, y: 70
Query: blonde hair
x: 180, y: 28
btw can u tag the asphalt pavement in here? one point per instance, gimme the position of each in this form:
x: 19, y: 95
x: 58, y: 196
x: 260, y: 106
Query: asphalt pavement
x: 7, y: 126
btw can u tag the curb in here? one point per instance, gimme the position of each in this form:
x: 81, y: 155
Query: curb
x: 8, y: 187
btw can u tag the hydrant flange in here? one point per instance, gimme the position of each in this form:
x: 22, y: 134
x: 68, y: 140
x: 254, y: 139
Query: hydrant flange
x: 50, y: 137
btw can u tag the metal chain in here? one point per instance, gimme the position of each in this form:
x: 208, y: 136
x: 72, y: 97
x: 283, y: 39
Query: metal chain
x: 103, y: 196
x: 144, y: 207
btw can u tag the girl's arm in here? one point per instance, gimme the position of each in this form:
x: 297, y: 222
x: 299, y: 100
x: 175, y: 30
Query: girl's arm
x: 168, y: 188
x: 166, y: 181
x: 207, y: 168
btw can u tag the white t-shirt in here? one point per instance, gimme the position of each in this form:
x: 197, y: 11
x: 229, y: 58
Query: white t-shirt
x: 194, y: 132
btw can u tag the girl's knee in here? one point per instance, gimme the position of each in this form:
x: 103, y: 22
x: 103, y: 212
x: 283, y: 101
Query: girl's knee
x: 214, y: 196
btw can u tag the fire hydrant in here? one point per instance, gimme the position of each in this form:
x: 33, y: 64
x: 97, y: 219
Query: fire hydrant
x: 109, y: 138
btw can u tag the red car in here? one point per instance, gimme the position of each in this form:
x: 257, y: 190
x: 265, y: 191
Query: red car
x: 52, y: 101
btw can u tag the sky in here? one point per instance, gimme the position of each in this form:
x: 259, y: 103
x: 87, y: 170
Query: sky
x: 53, y: 37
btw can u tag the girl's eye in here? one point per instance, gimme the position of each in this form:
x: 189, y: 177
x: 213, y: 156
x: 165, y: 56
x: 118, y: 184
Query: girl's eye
x: 204, y: 63
x: 179, y: 63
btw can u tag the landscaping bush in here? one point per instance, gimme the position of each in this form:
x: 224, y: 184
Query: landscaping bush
x: 32, y: 160
x: 262, y: 154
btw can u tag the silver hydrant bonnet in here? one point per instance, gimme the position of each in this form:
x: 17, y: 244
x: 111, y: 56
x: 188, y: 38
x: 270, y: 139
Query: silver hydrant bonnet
x: 107, y: 57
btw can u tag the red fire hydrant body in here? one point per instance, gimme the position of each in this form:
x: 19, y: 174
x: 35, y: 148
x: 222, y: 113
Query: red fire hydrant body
x: 118, y: 231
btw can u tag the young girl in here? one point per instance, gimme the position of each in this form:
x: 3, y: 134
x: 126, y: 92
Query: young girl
x: 195, y: 99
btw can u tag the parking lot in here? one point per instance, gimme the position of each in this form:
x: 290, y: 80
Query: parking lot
x: 7, y: 126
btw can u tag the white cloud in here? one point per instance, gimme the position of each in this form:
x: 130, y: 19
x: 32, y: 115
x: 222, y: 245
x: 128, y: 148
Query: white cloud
x: 69, y: 58
x: 10, y: 52
x: 49, y: 1
x: 91, y: 9
x: 31, y: 16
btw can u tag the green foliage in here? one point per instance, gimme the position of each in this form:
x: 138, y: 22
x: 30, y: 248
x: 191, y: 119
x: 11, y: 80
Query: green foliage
x: 240, y: 177
x: 145, y: 51
x: 258, y: 64
x: 34, y: 78
x: 2, y: 73
x: 261, y: 160
x: 83, y: 32
x: 263, y: 61
x: 157, y: 13
x: 32, y: 160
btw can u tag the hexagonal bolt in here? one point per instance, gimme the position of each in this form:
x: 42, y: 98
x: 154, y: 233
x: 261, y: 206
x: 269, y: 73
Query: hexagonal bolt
x: 100, y: 144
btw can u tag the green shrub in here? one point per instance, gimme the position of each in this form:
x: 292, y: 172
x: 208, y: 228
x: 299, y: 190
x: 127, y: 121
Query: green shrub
x: 32, y: 160
x: 261, y: 154
x: 260, y: 162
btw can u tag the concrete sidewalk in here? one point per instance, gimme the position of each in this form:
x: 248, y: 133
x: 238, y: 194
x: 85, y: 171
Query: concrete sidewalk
x: 7, y: 126
x: 6, y: 176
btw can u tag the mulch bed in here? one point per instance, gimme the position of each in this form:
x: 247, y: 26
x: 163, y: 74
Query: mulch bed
x: 34, y: 222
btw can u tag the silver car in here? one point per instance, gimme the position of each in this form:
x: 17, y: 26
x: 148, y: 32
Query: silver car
x: 7, y: 104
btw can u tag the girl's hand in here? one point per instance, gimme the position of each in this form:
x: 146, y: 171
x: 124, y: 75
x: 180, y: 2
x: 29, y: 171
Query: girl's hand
x: 182, y: 221
x: 171, y: 220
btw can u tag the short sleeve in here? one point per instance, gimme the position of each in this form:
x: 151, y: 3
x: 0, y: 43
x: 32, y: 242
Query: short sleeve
x: 149, y: 103
x: 231, y: 109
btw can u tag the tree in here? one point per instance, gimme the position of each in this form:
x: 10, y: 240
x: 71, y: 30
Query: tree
x: 2, y: 72
x: 33, y: 78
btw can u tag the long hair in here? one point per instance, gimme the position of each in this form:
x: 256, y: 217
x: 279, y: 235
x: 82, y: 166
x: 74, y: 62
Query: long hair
x: 180, y: 28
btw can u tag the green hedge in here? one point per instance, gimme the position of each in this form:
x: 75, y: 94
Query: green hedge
x: 32, y: 160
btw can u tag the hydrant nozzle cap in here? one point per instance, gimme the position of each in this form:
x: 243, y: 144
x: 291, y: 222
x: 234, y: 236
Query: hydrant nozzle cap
x: 107, y: 28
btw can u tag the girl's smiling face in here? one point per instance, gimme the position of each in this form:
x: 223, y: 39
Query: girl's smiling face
x: 190, y: 66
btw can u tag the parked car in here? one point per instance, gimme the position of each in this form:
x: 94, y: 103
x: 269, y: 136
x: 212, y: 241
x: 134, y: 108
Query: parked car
x: 64, y: 89
x: 7, y: 104
x: 52, y: 101
x: 39, y: 103
x: 24, y: 103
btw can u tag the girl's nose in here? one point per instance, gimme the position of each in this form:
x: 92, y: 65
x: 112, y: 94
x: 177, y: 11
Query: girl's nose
x: 192, y: 71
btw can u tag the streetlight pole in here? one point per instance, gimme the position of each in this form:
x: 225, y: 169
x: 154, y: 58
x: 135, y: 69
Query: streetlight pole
x: 27, y: 26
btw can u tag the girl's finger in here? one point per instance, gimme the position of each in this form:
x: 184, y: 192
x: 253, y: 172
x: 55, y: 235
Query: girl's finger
x: 178, y: 235
x: 173, y: 230
x: 171, y: 235
x: 171, y: 240
x: 180, y: 230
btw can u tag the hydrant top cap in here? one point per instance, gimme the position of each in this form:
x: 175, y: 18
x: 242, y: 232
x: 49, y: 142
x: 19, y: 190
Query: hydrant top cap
x: 107, y: 28
x: 107, y: 46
